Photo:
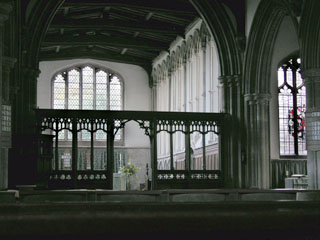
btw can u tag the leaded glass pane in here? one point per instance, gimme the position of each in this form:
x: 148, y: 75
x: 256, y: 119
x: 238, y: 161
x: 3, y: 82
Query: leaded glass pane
x: 69, y: 135
x: 299, y: 79
x: 61, y: 135
x: 289, y: 77
x: 86, y: 135
x: 115, y: 93
x: 101, y: 135
x: 280, y: 77
x: 286, y: 122
x: 87, y: 88
x: 101, y: 90
x: 301, y: 108
x: 59, y: 88
x: 74, y: 89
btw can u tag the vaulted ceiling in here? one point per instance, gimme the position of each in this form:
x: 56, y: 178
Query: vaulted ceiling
x: 126, y: 31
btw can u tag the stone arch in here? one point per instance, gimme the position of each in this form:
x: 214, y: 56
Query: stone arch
x: 189, y: 47
x: 262, y: 36
x: 310, y: 35
x: 257, y: 72
x: 204, y: 34
x: 196, y: 41
x: 43, y: 13
x: 220, y: 26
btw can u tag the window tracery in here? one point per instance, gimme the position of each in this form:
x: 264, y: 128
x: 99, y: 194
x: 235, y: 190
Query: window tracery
x: 292, y: 105
x: 87, y: 88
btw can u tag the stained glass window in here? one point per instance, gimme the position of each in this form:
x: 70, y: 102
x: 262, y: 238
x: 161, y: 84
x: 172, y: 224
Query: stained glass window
x: 88, y: 88
x: 292, y: 106
x: 59, y: 88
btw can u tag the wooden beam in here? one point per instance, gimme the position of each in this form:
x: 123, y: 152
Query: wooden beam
x: 121, y: 42
x: 179, y: 8
x: 116, y: 25
x: 83, y: 52
x: 91, y: 55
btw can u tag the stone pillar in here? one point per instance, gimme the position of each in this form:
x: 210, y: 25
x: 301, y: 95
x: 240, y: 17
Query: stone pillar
x: 185, y: 93
x: 29, y: 97
x: 312, y: 82
x: 258, y: 139
x: 204, y: 69
x: 5, y: 9
x: 23, y: 164
x: 230, y: 95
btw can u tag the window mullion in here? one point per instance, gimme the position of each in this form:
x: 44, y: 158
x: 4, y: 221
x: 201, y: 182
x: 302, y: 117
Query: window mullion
x: 94, y: 88
x: 81, y: 88
x: 66, y: 101
x: 108, y: 90
x: 295, y: 116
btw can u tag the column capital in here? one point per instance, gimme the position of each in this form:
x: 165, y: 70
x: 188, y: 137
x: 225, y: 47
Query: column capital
x: 229, y: 79
x: 5, y: 9
x: 31, y: 72
x: 262, y: 98
x: 257, y: 98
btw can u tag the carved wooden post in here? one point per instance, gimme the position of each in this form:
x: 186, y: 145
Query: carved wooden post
x: 110, y: 154
x: 153, y: 143
x: 204, y: 163
x: 92, y: 146
x: 171, y: 148
x: 74, y: 151
x: 187, y: 146
x: 56, y: 149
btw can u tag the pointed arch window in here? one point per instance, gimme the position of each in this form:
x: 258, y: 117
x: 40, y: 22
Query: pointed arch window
x: 87, y: 88
x: 292, y: 106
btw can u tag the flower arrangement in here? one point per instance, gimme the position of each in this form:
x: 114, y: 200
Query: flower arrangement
x: 129, y: 169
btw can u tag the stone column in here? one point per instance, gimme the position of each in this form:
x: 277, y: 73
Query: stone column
x: 23, y: 163
x: 29, y: 92
x: 312, y: 82
x: 204, y: 77
x: 185, y: 93
x: 258, y: 139
x: 230, y: 95
x: 5, y: 9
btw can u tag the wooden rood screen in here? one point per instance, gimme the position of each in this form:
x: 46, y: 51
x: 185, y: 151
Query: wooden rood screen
x: 67, y: 124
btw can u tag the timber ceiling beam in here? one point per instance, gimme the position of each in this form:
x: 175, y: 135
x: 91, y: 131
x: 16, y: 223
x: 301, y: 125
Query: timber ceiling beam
x: 116, y: 25
x: 95, y: 54
x: 122, y: 42
x: 146, y: 5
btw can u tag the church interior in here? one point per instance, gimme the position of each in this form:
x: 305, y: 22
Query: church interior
x: 122, y: 117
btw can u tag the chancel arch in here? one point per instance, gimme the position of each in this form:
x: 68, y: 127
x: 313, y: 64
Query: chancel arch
x: 213, y: 14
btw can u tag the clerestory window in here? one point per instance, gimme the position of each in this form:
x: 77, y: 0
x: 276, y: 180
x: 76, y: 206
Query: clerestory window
x: 87, y: 88
x: 292, y: 106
